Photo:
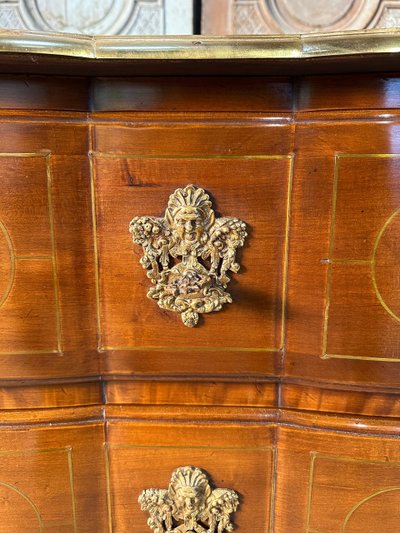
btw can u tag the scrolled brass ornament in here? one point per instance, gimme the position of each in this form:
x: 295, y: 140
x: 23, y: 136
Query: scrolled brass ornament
x: 206, y: 246
x: 189, y: 504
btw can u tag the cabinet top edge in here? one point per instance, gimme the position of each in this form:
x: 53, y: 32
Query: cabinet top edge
x: 332, y: 52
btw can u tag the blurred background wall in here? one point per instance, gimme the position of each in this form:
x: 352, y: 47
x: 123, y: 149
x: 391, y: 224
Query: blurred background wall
x: 108, y: 17
x: 297, y: 16
x: 158, y: 17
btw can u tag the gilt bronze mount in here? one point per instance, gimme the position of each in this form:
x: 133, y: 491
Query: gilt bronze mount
x: 205, y: 245
x: 189, y: 504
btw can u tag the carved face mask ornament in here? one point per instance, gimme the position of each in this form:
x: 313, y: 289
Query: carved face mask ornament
x: 189, y: 505
x: 206, y: 246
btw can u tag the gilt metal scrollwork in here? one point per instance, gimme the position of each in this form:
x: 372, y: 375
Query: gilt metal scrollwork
x: 189, y: 504
x: 206, y: 246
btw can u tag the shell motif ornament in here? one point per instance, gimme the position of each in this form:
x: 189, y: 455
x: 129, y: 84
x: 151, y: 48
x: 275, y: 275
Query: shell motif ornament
x: 205, y: 247
x: 189, y: 505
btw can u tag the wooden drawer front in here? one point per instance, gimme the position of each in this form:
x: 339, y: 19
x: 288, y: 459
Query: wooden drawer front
x: 29, y: 311
x: 52, y: 479
x: 143, y: 456
x: 344, y: 283
x: 254, y: 188
x: 46, y: 251
x: 337, y: 483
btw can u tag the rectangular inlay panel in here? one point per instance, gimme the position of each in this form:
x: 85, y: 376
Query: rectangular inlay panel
x: 29, y: 302
x: 363, y: 286
x: 337, y: 480
x: 52, y: 475
x: 34, y: 501
x: 343, y: 275
x: 128, y: 186
x: 351, y: 495
x: 143, y: 456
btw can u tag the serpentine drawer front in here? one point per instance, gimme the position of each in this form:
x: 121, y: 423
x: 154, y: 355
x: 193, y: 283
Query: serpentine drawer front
x: 199, y: 289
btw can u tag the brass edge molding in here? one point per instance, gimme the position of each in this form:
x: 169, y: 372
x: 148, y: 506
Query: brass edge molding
x: 59, y: 44
x: 292, y: 47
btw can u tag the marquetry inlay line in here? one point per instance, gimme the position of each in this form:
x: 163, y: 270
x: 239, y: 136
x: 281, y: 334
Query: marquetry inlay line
x: 53, y: 248
x: 286, y: 251
x: 28, y: 499
x: 108, y: 486
x: 10, y: 249
x: 101, y: 347
x: 373, y: 265
x: 310, y: 488
x: 46, y: 524
x: 371, y: 262
x: 95, y: 237
x: 364, y: 500
x: 108, y: 447
x: 72, y: 485
x: 274, y: 475
x: 51, y: 257
x: 343, y: 459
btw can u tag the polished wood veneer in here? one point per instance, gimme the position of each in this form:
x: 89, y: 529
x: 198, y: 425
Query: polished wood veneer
x: 289, y: 395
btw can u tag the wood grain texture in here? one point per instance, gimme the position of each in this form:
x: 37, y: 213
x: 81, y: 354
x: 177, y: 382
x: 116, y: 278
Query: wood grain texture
x: 47, y: 250
x: 136, y: 170
x: 289, y: 395
x: 50, y: 396
x: 234, y: 456
x: 192, y: 393
x: 48, y: 481
x: 345, y: 184
x: 334, y: 93
x: 40, y: 92
x: 217, y: 94
x: 318, y: 468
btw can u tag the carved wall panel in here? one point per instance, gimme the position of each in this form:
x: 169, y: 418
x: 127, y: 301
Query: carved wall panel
x: 109, y: 17
x: 297, y: 16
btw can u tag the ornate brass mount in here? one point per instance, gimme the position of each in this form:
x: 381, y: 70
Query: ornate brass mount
x: 191, y: 502
x: 206, y: 245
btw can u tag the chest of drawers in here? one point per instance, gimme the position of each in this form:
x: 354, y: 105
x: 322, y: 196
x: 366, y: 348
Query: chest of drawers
x: 284, y: 151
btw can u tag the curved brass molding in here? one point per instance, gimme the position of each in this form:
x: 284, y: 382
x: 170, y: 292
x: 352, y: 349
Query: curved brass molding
x: 189, y: 501
x: 293, y: 47
x: 206, y: 246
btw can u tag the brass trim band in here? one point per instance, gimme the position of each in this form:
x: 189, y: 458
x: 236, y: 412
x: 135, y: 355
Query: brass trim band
x: 307, y: 46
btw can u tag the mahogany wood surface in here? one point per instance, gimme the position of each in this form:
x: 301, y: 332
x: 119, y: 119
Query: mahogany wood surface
x: 289, y: 395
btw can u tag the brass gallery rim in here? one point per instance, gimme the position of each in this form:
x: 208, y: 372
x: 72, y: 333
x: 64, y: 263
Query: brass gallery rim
x: 198, y: 47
